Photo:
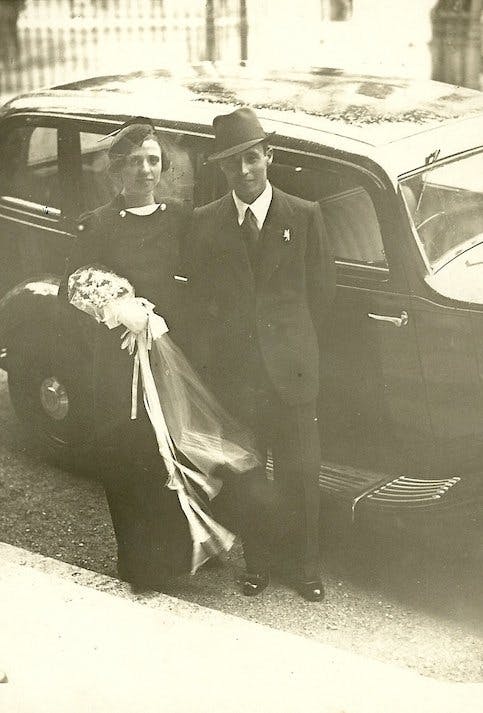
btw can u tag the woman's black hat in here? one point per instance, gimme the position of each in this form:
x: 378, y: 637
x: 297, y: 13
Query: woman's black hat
x: 129, y: 136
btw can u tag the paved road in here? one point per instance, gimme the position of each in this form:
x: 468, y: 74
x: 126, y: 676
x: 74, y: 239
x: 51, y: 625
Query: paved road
x: 403, y: 611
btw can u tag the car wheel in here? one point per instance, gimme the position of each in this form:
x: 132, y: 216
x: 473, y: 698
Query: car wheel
x: 51, y: 393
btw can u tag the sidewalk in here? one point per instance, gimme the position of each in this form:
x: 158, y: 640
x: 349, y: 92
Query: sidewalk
x: 73, y: 641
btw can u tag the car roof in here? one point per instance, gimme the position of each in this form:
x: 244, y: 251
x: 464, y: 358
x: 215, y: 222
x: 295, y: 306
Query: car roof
x: 362, y: 115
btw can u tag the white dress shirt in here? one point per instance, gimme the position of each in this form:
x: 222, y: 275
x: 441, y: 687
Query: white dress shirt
x: 259, y: 207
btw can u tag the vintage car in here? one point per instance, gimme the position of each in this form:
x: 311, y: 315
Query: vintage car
x: 397, y: 168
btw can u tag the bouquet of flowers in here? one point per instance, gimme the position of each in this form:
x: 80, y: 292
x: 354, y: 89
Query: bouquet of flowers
x: 185, y: 416
x: 92, y: 288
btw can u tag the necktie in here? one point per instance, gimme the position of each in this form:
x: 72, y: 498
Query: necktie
x: 250, y: 234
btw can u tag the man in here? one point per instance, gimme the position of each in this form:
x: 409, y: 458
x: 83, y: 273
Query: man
x: 263, y: 280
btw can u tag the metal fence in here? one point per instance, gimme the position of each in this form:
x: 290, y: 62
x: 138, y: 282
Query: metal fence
x: 55, y: 41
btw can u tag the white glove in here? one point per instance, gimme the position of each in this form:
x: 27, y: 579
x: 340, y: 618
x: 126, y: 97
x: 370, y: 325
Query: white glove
x: 132, y: 312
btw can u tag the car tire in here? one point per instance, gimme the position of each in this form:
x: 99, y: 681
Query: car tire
x: 51, y: 393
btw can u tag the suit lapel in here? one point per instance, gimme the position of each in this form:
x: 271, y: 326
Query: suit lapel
x: 276, y: 230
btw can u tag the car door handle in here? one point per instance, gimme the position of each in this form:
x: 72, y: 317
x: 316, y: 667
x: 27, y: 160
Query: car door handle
x: 397, y: 321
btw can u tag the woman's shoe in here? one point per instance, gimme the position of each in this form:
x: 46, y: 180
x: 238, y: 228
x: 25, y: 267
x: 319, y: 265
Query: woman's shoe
x: 254, y: 583
x: 215, y: 562
x: 141, y: 586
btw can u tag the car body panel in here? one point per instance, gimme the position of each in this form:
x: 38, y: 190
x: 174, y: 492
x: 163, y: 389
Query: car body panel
x: 30, y: 305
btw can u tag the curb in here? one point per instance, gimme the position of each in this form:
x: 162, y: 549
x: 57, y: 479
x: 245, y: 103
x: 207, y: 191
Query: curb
x: 73, y: 640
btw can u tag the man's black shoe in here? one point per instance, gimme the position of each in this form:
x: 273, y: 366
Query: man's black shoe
x: 253, y: 583
x: 312, y: 591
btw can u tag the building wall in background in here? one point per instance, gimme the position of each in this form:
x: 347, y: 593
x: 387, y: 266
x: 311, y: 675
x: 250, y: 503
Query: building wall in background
x: 48, y: 42
x: 381, y: 37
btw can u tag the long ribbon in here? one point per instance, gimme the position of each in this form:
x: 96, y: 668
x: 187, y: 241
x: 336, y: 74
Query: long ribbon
x: 208, y: 536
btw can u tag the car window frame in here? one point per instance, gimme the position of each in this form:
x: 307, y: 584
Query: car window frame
x: 17, y: 204
x: 384, y: 199
x: 430, y: 165
x: 203, y: 189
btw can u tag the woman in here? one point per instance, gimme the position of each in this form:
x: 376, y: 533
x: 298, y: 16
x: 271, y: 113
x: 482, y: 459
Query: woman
x: 137, y: 238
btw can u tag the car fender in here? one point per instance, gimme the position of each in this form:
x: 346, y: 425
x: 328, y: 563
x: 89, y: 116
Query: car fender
x: 34, y: 304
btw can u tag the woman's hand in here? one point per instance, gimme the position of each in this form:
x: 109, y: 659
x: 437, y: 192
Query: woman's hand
x: 132, y: 313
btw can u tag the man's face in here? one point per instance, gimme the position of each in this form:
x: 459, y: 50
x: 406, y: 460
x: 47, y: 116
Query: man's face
x: 246, y: 172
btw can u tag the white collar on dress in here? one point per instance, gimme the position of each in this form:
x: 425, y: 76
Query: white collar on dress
x: 259, y: 207
x: 144, y: 209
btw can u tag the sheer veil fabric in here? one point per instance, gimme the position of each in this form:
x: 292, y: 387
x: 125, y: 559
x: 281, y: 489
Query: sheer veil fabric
x: 196, y: 437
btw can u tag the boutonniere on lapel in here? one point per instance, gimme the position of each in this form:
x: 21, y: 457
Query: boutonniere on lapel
x: 286, y: 235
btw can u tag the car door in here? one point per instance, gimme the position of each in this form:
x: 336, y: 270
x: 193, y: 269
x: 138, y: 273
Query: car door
x: 34, y: 233
x: 372, y: 408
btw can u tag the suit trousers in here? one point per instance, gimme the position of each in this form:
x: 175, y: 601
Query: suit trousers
x: 280, y: 524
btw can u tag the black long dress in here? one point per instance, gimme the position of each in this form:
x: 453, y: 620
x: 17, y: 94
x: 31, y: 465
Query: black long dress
x: 151, y: 530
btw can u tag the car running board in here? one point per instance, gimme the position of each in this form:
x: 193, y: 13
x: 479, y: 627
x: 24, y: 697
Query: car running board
x: 355, y: 487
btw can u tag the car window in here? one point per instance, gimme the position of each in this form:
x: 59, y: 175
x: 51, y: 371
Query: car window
x: 29, y: 165
x: 346, y: 205
x: 445, y: 204
x: 179, y: 180
x: 99, y: 186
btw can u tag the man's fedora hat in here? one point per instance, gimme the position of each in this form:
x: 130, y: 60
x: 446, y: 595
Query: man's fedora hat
x: 236, y: 132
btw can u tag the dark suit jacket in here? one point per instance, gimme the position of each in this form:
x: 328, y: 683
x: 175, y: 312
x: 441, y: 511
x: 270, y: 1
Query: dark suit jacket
x: 277, y: 309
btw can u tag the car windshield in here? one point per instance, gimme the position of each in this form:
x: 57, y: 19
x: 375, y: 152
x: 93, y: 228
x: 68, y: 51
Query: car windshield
x: 445, y: 203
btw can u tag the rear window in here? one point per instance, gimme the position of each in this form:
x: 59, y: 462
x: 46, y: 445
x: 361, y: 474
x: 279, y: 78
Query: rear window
x: 347, y: 208
x: 29, y: 165
x: 98, y: 187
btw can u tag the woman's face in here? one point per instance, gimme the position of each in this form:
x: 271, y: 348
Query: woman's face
x: 141, y: 170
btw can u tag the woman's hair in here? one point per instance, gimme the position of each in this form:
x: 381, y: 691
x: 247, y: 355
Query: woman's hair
x: 130, y: 137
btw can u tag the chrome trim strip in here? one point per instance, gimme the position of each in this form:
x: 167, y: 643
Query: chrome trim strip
x: 367, y: 491
x: 411, y: 490
x: 36, y: 213
x: 447, y: 159
x: 374, y: 268
x: 407, y: 479
x: 449, y: 308
x: 412, y: 297
x: 37, y: 225
x: 414, y: 230
x: 30, y: 205
x: 415, y: 502
x: 405, y: 295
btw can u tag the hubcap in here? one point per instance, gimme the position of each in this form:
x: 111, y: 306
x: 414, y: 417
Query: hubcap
x: 54, y: 398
